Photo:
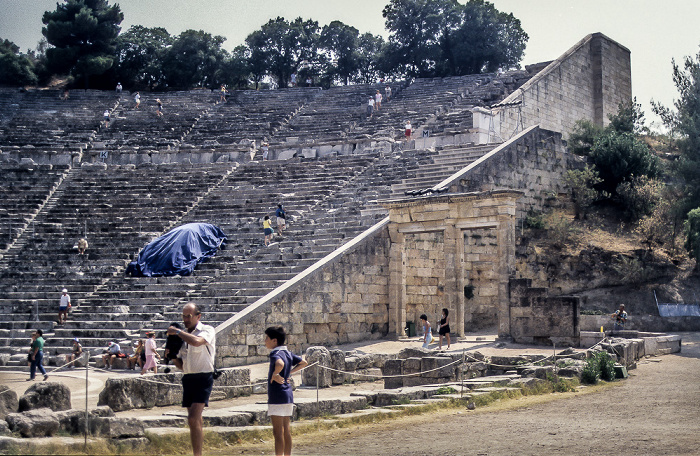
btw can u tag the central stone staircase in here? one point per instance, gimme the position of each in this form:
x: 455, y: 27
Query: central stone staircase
x: 448, y: 160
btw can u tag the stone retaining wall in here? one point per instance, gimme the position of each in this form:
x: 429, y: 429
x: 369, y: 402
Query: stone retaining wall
x: 534, y: 162
x: 441, y: 247
x: 536, y: 317
x: 343, y: 300
x: 589, y: 81
x: 642, y: 323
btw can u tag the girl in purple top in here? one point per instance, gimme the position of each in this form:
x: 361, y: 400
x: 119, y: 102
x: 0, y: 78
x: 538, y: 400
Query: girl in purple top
x: 280, y: 400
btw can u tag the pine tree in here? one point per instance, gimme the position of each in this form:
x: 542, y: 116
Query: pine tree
x: 83, y: 34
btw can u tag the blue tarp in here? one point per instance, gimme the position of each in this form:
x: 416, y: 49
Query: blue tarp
x: 178, y: 251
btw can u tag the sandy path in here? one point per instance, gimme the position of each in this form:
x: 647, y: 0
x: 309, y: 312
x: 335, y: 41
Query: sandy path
x: 655, y: 412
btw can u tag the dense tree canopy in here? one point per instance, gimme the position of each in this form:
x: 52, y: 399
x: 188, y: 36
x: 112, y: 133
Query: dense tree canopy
x: 15, y: 67
x: 83, y: 34
x: 370, y: 56
x: 339, y: 46
x: 444, y: 38
x: 195, y: 59
x: 140, y: 52
x: 616, y: 151
x: 427, y: 38
x: 285, y: 47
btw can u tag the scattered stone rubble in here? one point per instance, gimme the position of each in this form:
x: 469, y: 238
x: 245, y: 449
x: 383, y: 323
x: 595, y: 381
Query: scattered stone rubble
x: 441, y: 376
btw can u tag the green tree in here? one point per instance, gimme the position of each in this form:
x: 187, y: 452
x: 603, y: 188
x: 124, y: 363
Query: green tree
x: 195, y: 59
x: 654, y: 228
x: 628, y: 119
x: 687, y: 121
x: 83, y: 34
x: 692, y: 236
x: 237, y: 70
x: 619, y: 156
x: 15, y: 68
x: 370, y: 54
x: 444, y: 38
x: 339, y: 44
x: 140, y: 53
x: 639, y: 196
x: 583, y: 136
x: 484, y: 40
x: 282, y: 48
x: 415, y: 27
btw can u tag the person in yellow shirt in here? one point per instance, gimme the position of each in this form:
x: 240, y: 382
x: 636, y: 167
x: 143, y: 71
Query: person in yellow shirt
x: 267, y: 226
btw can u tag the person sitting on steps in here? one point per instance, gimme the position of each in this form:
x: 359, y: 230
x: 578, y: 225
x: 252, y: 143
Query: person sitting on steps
x: 111, y: 353
x: 139, y: 356
x: 75, y: 353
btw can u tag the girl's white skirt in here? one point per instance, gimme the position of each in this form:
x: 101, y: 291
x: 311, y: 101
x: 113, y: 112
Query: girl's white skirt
x: 280, y: 409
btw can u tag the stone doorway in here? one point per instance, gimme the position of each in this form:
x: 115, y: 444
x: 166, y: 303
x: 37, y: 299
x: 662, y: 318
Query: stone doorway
x: 446, y: 248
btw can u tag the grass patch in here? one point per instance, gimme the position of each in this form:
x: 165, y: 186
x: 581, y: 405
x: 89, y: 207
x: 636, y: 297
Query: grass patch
x: 446, y: 390
x: 97, y: 447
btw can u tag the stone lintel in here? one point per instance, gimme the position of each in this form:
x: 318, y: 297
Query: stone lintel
x: 450, y: 198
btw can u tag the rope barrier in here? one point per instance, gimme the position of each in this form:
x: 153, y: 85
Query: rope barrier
x: 354, y: 374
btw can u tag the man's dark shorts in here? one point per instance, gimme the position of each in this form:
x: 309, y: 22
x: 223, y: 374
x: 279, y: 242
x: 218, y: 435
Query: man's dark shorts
x: 196, y: 388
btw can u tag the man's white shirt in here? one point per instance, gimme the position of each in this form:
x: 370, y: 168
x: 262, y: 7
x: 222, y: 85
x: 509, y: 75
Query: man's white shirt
x: 199, y: 359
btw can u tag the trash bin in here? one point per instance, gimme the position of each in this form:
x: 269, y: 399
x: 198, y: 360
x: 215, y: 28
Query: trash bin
x: 410, y: 329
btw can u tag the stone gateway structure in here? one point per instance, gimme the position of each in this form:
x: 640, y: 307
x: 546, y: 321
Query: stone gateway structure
x: 454, y: 252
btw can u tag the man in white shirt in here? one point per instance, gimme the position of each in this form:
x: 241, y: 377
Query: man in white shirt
x: 63, y: 307
x: 196, y: 359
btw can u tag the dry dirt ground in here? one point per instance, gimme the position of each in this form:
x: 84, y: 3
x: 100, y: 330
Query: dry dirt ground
x: 654, y: 412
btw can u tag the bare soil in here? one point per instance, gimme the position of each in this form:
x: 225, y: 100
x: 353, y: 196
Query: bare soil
x: 654, y: 412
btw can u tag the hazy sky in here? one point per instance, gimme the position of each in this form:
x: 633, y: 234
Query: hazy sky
x: 654, y: 31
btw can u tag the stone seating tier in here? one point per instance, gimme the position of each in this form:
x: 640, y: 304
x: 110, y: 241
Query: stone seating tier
x: 143, y: 129
x: 196, y: 120
x: 113, y: 207
x: 248, y: 115
x: 332, y: 193
x: 338, y: 112
x: 23, y: 190
x: 445, y: 163
x: 40, y: 118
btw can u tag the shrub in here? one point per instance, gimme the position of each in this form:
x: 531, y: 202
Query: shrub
x: 607, y: 366
x: 559, y: 229
x: 654, y: 228
x: 631, y: 270
x: 591, y: 372
x: 446, y: 390
x: 583, y: 137
x: 599, y: 366
x: 639, y: 196
x: 582, y: 183
x: 619, y: 156
x: 534, y: 219
x: 628, y: 119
